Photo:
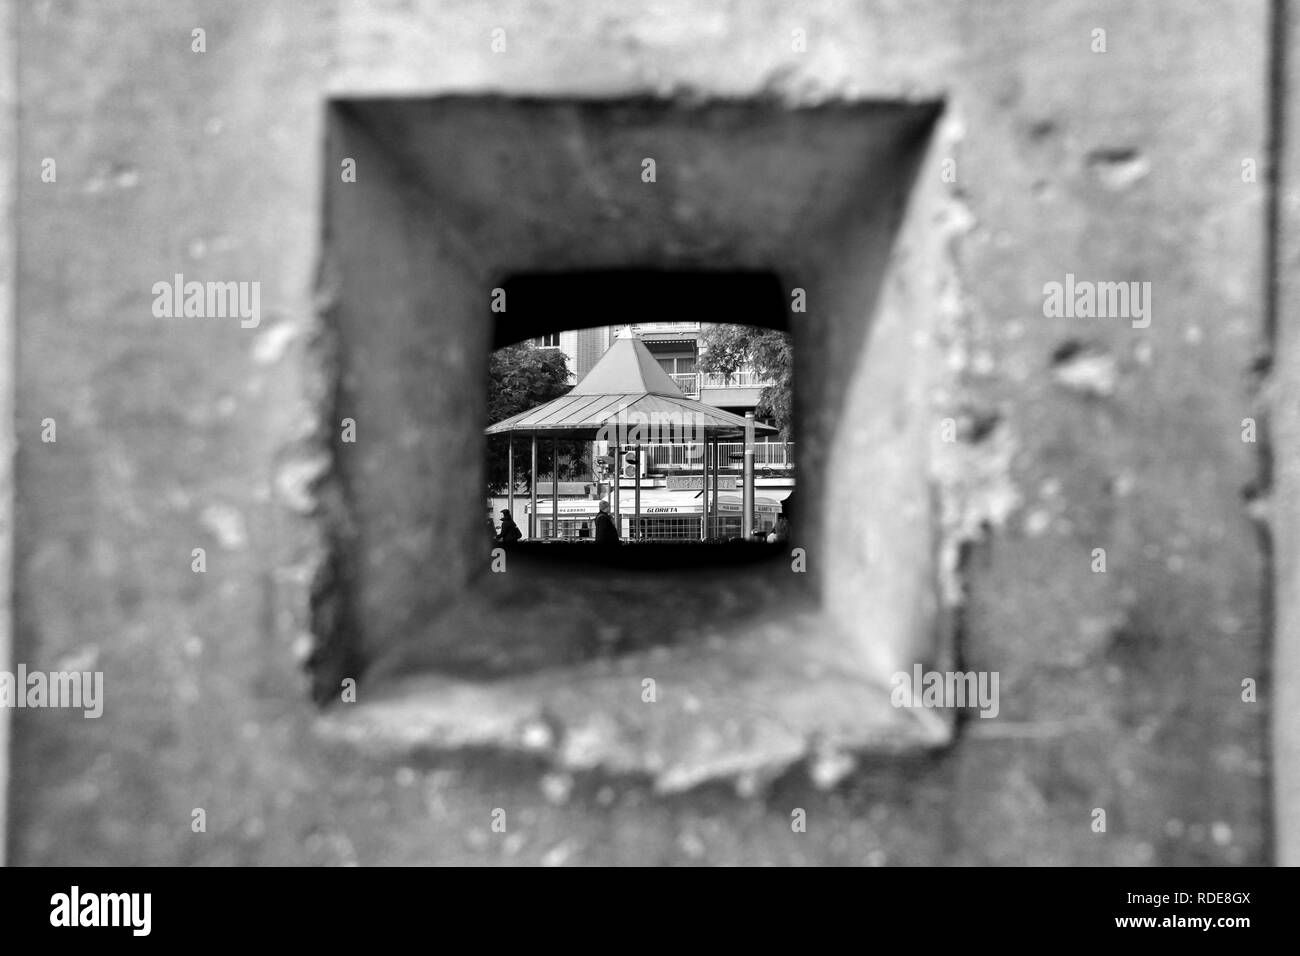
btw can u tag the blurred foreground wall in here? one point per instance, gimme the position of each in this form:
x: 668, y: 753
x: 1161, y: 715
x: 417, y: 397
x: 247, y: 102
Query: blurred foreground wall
x: 1141, y: 153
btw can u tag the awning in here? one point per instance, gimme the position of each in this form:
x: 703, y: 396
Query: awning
x: 659, y: 338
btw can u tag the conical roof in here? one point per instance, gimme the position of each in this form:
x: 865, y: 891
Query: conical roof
x: 627, y: 368
x: 626, y: 385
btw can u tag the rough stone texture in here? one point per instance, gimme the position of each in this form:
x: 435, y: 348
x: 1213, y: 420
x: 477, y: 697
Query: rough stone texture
x: 8, y: 268
x: 1119, y: 690
x: 1284, y: 413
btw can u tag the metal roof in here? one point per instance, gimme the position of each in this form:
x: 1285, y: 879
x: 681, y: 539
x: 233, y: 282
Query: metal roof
x: 626, y: 368
x: 627, y: 388
x: 663, y: 418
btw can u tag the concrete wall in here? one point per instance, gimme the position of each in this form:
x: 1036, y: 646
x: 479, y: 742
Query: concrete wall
x: 1120, y: 691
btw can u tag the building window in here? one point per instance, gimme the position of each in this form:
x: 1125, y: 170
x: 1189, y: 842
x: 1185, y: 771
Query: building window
x: 678, y: 365
x: 551, y: 341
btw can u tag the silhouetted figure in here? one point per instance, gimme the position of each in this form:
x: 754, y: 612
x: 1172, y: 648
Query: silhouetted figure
x: 584, y: 531
x: 510, y: 532
x: 781, y: 533
x: 606, y: 531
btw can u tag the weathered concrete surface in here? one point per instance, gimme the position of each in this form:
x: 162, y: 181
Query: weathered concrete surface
x: 8, y: 275
x: 1119, y: 690
x: 1284, y: 413
x: 738, y: 709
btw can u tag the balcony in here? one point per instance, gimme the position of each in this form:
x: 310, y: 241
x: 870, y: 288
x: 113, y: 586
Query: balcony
x: 693, y: 383
x: 688, y: 382
x: 666, y: 327
x: 734, y: 380
x: 773, y: 459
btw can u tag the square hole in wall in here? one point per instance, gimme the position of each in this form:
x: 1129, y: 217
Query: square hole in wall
x: 445, y: 207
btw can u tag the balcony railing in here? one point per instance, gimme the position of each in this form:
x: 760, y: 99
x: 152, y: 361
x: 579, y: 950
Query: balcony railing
x: 692, y: 382
x: 688, y: 382
x: 734, y: 380
x: 666, y: 327
x: 773, y: 455
x: 770, y: 454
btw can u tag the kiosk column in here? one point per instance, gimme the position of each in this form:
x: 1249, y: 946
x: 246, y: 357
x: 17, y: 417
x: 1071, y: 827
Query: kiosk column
x: 555, y: 488
x: 747, y: 493
x: 532, y: 511
x: 510, y: 474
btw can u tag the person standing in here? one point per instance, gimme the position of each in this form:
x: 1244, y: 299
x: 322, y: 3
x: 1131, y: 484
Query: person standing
x: 606, y: 531
x: 781, y: 533
x: 510, y: 532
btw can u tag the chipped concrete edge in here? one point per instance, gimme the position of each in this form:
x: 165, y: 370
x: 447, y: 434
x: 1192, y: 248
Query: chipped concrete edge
x: 757, y: 736
x: 395, y: 729
x: 973, y: 477
x: 307, y: 480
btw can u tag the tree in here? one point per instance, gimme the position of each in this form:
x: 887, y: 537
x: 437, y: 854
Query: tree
x: 521, y: 377
x: 733, y: 347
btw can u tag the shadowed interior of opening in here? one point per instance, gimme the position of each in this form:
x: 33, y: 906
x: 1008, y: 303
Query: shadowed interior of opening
x: 633, y: 387
x: 414, y: 252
